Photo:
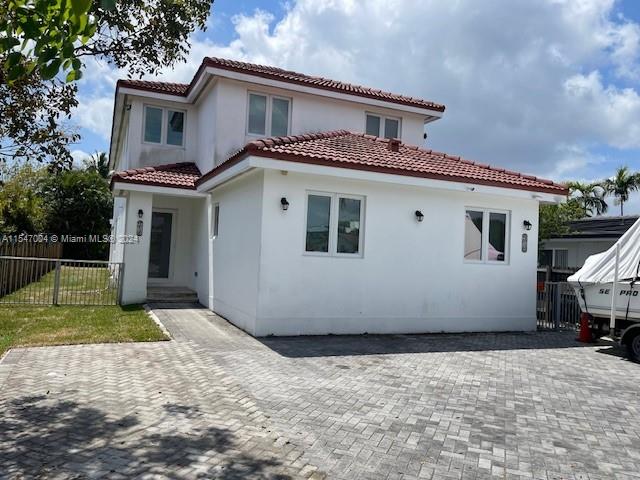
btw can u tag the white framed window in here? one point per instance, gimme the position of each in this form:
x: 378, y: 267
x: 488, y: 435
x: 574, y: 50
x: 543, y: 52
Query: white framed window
x: 215, y: 221
x: 334, y: 224
x: 164, y: 126
x: 382, y: 126
x: 486, y: 235
x: 268, y: 115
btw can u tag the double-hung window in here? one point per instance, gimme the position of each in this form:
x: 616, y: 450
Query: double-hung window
x: 268, y: 115
x: 164, y: 126
x: 334, y: 224
x: 381, y: 126
x: 486, y: 236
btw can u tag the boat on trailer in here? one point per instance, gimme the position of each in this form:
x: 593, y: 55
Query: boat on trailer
x: 608, y: 290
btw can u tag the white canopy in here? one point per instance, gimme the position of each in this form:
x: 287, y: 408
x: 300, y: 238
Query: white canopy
x: 600, y: 268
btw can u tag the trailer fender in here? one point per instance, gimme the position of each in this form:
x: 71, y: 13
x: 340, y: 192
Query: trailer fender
x: 628, y: 333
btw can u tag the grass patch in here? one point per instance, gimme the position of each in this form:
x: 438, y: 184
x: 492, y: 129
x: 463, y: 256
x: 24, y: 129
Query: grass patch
x: 79, y: 285
x: 26, y: 326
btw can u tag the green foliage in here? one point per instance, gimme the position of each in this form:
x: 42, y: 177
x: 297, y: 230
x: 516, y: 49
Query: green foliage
x: 67, y: 202
x: 621, y: 185
x: 21, y: 208
x: 78, y: 202
x: 590, y: 196
x: 44, y: 45
x: 553, y: 219
x: 99, y: 163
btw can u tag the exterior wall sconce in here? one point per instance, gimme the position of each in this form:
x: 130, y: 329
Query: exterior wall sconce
x: 419, y: 215
x: 140, y: 213
x: 284, y: 203
x: 527, y: 225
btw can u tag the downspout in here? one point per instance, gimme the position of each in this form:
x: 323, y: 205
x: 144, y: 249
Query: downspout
x: 210, y: 249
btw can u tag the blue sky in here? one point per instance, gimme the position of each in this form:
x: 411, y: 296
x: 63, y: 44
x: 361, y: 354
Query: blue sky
x: 549, y: 87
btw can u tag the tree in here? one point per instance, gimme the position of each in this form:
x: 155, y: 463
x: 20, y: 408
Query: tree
x: 44, y: 45
x: 21, y: 208
x: 554, y: 219
x: 99, y: 163
x: 590, y: 196
x: 621, y: 185
x: 78, y: 203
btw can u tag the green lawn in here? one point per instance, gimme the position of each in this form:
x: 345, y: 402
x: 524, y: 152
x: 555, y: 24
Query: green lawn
x: 22, y: 326
x: 79, y: 285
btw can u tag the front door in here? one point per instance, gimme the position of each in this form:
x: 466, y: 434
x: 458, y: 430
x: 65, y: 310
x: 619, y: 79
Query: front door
x: 160, y: 249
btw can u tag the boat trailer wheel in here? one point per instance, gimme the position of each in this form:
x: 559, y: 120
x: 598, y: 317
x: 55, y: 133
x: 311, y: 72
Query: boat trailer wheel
x: 633, y: 346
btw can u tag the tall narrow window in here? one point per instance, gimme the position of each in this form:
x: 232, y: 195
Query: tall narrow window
x: 373, y: 125
x: 497, y: 236
x: 280, y: 117
x: 473, y: 235
x: 348, y: 225
x: 175, y: 127
x: 153, y: 125
x: 216, y: 219
x: 257, y: 114
x: 391, y: 128
x: 318, y: 223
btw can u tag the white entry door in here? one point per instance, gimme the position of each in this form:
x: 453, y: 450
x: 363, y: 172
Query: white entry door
x: 161, y: 248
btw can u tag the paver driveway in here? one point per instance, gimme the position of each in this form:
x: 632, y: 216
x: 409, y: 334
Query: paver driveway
x: 216, y: 403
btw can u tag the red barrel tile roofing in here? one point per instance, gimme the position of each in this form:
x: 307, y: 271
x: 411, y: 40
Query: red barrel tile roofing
x: 344, y: 149
x: 274, y: 73
x: 174, y: 175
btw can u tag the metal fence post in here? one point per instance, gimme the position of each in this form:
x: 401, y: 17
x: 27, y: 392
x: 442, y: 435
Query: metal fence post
x: 556, y: 306
x: 56, y: 283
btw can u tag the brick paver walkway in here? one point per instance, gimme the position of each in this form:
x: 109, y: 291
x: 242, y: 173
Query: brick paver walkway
x: 216, y: 403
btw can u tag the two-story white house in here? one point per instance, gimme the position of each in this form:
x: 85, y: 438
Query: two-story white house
x: 300, y: 205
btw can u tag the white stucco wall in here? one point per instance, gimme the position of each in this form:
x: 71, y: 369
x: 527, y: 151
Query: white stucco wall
x: 236, y: 250
x: 136, y: 255
x: 309, y: 113
x: 579, y: 250
x: 412, y: 277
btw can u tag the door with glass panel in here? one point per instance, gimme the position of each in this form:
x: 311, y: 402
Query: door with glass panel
x: 160, y: 249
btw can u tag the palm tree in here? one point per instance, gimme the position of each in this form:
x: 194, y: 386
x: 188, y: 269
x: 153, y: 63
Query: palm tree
x: 621, y: 185
x: 590, y: 197
x: 98, y: 162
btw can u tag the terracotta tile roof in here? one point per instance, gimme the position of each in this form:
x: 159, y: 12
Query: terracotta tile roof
x: 358, y: 151
x: 274, y: 73
x: 157, y: 87
x: 174, y: 175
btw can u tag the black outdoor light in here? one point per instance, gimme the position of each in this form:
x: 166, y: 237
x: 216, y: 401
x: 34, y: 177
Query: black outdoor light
x: 284, y: 203
x: 527, y: 225
x: 140, y: 213
x: 419, y: 215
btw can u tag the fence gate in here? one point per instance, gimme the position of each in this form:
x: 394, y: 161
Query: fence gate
x: 557, y: 307
x: 52, y: 281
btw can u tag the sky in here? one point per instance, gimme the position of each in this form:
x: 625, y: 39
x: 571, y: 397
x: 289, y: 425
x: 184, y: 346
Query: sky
x: 546, y: 87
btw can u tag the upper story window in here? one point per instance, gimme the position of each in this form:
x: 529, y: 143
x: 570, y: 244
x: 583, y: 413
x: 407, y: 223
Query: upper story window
x: 381, y: 126
x: 163, y: 126
x: 268, y: 115
x: 486, y: 236
x: 334, y: 224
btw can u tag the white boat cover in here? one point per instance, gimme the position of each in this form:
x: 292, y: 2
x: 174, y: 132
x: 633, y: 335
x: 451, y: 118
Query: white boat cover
x: 600, y: 268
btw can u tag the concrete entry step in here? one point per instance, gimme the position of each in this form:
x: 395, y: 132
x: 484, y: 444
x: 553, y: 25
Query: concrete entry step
x: 159, y: 294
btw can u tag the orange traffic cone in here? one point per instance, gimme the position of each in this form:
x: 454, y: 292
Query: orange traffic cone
x: 585, y: 330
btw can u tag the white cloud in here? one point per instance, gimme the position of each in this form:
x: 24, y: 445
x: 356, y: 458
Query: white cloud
x: 531, y: 85
x: 95, y: 114
x: 79, y: 157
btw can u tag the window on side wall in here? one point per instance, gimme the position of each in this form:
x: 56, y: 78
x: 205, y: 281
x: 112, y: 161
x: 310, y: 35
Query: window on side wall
x: 163, y: 126
x: 268, y: 115
x: 486, y: 236
x: 216, y: 220
x: 382, y: 126
x: 334, y: 224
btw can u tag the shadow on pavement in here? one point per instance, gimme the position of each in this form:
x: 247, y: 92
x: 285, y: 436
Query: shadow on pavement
x: 41, y: 438
x: 341, y: 345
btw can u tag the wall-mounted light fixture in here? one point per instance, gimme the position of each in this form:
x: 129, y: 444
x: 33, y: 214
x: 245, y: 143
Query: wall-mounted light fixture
x: 527, y: 225
x: 284, y: 203
x: 140, y: 213
x: 419, y: 215
x: 471, y: 189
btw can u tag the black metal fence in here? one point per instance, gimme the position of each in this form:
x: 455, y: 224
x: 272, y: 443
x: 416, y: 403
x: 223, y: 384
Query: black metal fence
x: 50, y: 281
x: 557, y: 307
